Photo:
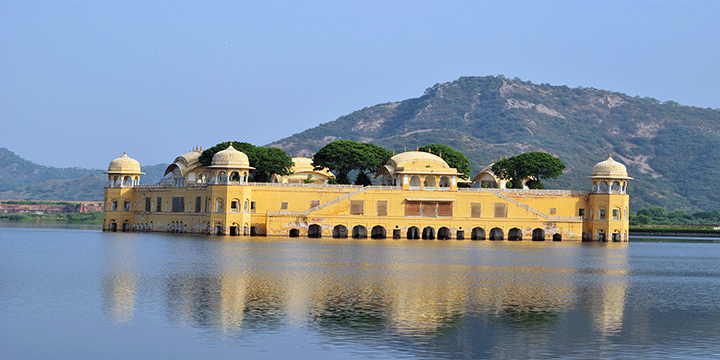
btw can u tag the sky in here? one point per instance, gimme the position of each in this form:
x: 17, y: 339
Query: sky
x: 83, y: 81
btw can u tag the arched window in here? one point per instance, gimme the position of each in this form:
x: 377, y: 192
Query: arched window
x: 415, y: 182
x: 444, y: 184
x: 429, y: 183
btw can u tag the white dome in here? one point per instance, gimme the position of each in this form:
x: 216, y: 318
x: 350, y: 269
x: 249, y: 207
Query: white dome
x: 124, y: 165
x: 230, y: 158
x: 609, y: 169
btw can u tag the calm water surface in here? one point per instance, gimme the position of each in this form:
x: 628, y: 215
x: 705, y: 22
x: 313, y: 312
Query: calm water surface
x: 73, y: 293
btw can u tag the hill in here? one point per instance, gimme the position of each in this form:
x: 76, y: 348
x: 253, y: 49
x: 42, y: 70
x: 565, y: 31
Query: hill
x: 16, y: 171
x: 23, y: 179
x: 669, y: 149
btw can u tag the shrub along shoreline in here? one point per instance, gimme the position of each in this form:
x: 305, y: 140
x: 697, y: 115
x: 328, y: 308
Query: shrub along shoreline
x: 89, y: 218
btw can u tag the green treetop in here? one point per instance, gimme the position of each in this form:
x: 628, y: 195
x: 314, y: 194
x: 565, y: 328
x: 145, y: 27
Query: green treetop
x: 343, y: 156
x: 536, y: 165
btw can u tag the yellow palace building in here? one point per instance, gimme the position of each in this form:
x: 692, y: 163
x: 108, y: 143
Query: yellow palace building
x: 418, y: 198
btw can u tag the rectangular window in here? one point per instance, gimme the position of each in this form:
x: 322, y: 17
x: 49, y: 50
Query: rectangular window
x: 475, y: 210
x: 219, y: 205
x: 283, y: 206
x: 428, y: 209
x: 198, y: 204
x: 233, y: 206
x: 127, y: 206
x: 500, y: 210
x: 159, y: 204
x: 314, y: 203
x: 148, y: 204
x: 445, y: 209
x: 252, y: 206
x: 581, y: 213
x: 601, y: 214
x: 553, y: 211
x: 113, y: 205
x: 357, y: 207
x: 616, y: 214
x: 382, y: 207
x: 178, y: 204
x: 412, y: 208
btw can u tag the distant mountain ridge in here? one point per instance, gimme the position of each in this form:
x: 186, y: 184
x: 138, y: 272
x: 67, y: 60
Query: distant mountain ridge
x: 669, y: 149
x: 23, y: 179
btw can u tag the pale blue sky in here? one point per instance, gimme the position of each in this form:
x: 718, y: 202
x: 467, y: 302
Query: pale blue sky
x: 82, y: 81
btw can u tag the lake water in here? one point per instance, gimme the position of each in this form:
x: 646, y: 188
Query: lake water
x: 73, y: 293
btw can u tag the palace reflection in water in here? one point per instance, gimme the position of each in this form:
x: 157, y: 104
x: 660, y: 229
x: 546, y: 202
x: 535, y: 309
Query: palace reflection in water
x: 479, y: 293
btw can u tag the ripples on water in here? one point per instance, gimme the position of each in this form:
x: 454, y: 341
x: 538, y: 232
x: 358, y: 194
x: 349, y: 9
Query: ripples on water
x: 69, y: 293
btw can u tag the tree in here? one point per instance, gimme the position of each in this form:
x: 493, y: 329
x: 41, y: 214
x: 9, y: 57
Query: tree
x: 266, y: 160
x: 343, y: 156
x: 454, y: 158
x: 269, y: 161
x: 535, y: 166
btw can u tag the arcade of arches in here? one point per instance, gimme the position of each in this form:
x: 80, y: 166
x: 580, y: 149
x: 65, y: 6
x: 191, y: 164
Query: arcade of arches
x: 427, y: 233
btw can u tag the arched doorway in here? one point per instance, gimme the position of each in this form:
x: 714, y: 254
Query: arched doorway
x: 443, y: 233
x: 294, y: 233
x: 428, y: 233
x: 377, y: 232
x: 413, y: 233
x: 359, y: 232
x: 497, y: 234
x: 557, y: 237
x: 314, y: 231
x: 538, y: 235
x: 340, y: 232
x: 515, y: 234
x: 477, y: 233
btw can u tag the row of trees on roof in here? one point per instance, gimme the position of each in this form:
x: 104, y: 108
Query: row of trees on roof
x: 343, y: 157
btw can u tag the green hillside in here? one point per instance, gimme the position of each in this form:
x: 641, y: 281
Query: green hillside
x: 669, y: 149
x: 23, y: 179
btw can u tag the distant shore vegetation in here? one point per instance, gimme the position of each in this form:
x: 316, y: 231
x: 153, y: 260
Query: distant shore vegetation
x: 90, y: 218
x: 657, y: 216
